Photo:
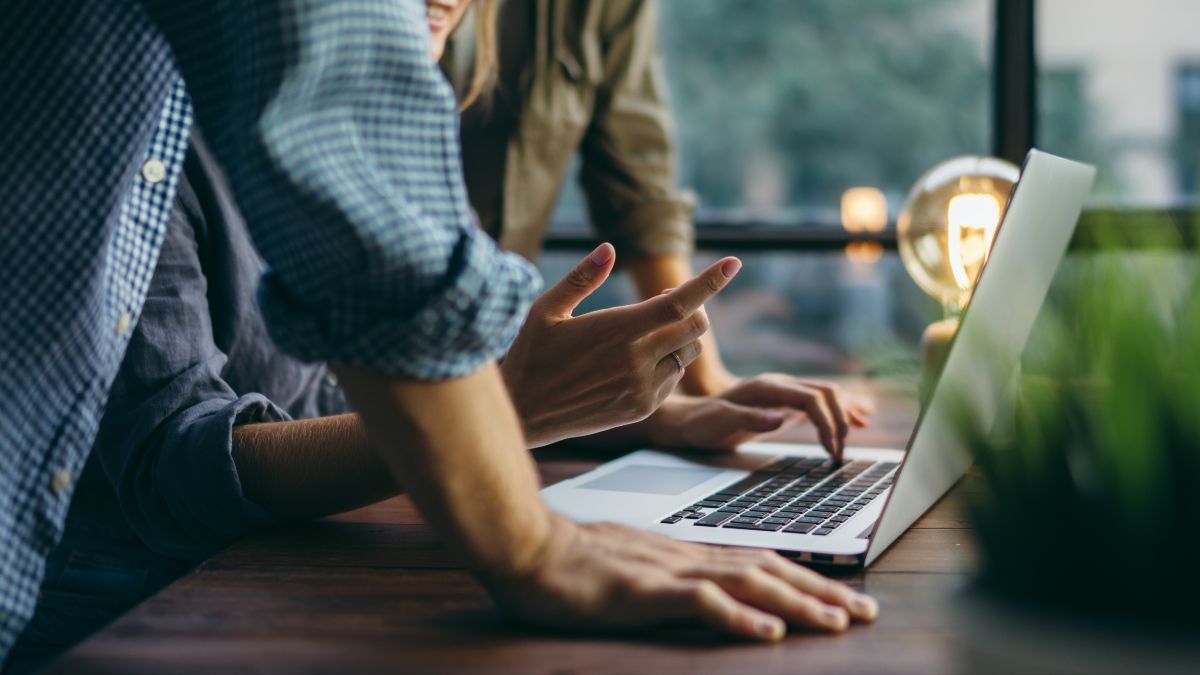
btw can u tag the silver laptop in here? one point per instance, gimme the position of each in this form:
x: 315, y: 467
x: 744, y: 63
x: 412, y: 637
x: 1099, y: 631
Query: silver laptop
x: 790, y: 497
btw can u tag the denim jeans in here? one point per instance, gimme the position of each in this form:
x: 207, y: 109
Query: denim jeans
x: 92, y: 577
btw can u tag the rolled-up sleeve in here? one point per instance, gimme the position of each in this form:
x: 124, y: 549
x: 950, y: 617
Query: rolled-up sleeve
x: 339, y: 135
x: 628, y: 162
x: 165, y: 441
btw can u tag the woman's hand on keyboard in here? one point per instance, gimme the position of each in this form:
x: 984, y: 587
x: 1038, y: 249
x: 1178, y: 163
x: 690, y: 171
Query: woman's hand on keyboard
x: 755, y: 406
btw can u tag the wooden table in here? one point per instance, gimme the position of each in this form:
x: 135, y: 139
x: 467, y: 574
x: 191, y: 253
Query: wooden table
x: 374, y: 590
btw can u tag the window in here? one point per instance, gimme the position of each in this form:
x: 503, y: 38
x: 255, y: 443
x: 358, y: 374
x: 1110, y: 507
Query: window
x: 1188, y: 143
x: 811, y: 98
x: 1116, y: 89
x: 782, y: 105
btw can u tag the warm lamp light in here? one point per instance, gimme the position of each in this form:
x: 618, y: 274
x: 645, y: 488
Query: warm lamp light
x: 945, y: 232
x: 948, y: 222
x: 864, y: 209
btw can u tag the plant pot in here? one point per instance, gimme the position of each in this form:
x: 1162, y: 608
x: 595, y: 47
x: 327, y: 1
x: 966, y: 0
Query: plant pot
x: 1002, y: 636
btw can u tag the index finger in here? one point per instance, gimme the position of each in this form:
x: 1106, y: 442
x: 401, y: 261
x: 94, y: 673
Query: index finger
x: 670, y: 308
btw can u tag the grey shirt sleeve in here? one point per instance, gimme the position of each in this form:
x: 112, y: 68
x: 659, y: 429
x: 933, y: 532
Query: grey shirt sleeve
x: 165, y: 442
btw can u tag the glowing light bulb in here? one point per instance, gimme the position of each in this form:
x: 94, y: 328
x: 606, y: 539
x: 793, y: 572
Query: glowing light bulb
x: 972, y: 221
x: 947, y: 224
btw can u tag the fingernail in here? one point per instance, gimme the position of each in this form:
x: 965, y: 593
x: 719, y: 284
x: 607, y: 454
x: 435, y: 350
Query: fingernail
x: 601, y: 256
x: 835, y: 617
x: 865, y: 606
x: 770, y: 630
x: 731, y: 267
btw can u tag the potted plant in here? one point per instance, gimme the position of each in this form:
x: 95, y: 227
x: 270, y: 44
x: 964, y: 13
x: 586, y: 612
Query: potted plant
x: 1088, y: 516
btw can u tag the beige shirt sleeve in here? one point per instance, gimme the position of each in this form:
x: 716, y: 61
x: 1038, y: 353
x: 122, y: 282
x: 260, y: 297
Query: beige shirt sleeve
x: 627, y: 155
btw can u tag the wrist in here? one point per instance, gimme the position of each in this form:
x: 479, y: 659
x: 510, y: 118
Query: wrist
x: 526, y: 564
x: 706, y: 379
x: 664, y: 429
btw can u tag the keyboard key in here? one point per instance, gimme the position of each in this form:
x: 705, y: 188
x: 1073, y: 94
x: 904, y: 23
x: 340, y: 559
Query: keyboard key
x: 776, y: 521
x: 694, y: 516
x: 745, y: 521
x: 716, y: 519
x: 723, y: 496
x: 823, y: 531
x: 800, y: 528
x: 671, y: 519
x: 707, y: 504
x: 762, y: 527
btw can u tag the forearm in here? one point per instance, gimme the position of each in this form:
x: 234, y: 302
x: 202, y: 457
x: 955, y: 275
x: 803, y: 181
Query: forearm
x: 310, y: 468
x: 458, y: 446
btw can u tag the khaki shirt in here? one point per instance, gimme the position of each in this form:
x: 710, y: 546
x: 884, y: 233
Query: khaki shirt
x: 591, y: 83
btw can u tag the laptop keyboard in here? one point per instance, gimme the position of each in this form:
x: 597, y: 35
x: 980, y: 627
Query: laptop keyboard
x: 802, y: 495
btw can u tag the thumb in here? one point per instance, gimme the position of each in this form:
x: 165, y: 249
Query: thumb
x: 580, y: 282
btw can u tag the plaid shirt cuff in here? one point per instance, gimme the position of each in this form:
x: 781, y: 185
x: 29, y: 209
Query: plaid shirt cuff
x: 472, y: 320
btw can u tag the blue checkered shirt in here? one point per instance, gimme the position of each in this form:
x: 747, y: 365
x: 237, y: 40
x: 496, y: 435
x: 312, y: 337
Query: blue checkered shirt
x: 339, y: 136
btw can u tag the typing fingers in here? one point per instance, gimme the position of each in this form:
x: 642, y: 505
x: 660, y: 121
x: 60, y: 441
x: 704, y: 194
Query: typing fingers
x: 836, y: 405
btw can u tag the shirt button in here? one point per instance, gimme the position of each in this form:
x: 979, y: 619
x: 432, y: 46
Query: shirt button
x: 330, y: 379
x: 154, y: 171
x: 60, y: 481
x: 123, y: 322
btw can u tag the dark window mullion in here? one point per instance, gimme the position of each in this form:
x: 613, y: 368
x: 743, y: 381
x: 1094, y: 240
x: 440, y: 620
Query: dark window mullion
x: 1014, y: 81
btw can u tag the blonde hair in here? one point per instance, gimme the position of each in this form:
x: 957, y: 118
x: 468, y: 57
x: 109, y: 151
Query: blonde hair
x: 483, y: 77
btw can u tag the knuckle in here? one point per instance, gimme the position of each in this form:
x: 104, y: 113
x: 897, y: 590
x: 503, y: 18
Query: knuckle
x: 702, y: 592
x: 699, y: 322
x: 645, y: 409
x: 577, y: 278
x: 713, y: 283
x: 745, y: 575
x: 630, y: 361
x: 673, y: 310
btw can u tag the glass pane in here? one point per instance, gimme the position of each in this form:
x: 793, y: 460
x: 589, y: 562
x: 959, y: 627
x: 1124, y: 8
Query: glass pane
x: 785, y: 105
x: 782, y: 105
x: 1120, y: 86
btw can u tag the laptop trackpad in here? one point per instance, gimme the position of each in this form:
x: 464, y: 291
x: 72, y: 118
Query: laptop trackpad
x: 654, y: 480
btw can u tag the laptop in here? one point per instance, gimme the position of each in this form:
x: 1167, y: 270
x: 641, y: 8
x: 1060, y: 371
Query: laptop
x: 791, y: 497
